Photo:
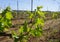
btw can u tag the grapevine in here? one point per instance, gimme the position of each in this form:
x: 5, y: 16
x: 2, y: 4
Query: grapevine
x: 5, y: 19
x: 35, y: 30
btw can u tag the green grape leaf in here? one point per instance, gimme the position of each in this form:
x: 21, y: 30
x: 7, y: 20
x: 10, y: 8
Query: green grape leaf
x: 38, y: 31
x: 21, y: 29
x: 41, y: 14
x: 39, y: 7
x: 14, y: 34
x: 31, y: 15
x: 9, y: 15
x: 32, y: 32
x: 28, y: 29
x: 6, y: 29
x: 25, y: 26
x: 1, y: 28
x: 0, y: 16
x: 5, y: 19
x: 40, y: 22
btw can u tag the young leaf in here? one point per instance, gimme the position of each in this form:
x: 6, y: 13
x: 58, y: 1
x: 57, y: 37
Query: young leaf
x: 9, y: 15
x: 21, y: 30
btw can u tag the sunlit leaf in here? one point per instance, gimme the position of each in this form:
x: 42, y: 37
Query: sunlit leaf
x: 40, y: 22
x: 6, y: 29
x: 21, y: 29
x: 14, y: 34
x: 9, y: 15
x: 41, y: 14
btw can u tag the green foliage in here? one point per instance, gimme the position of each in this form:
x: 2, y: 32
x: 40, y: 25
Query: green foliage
x: 36, y: 32
x: 25, y: 31
x: 5, y: 19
